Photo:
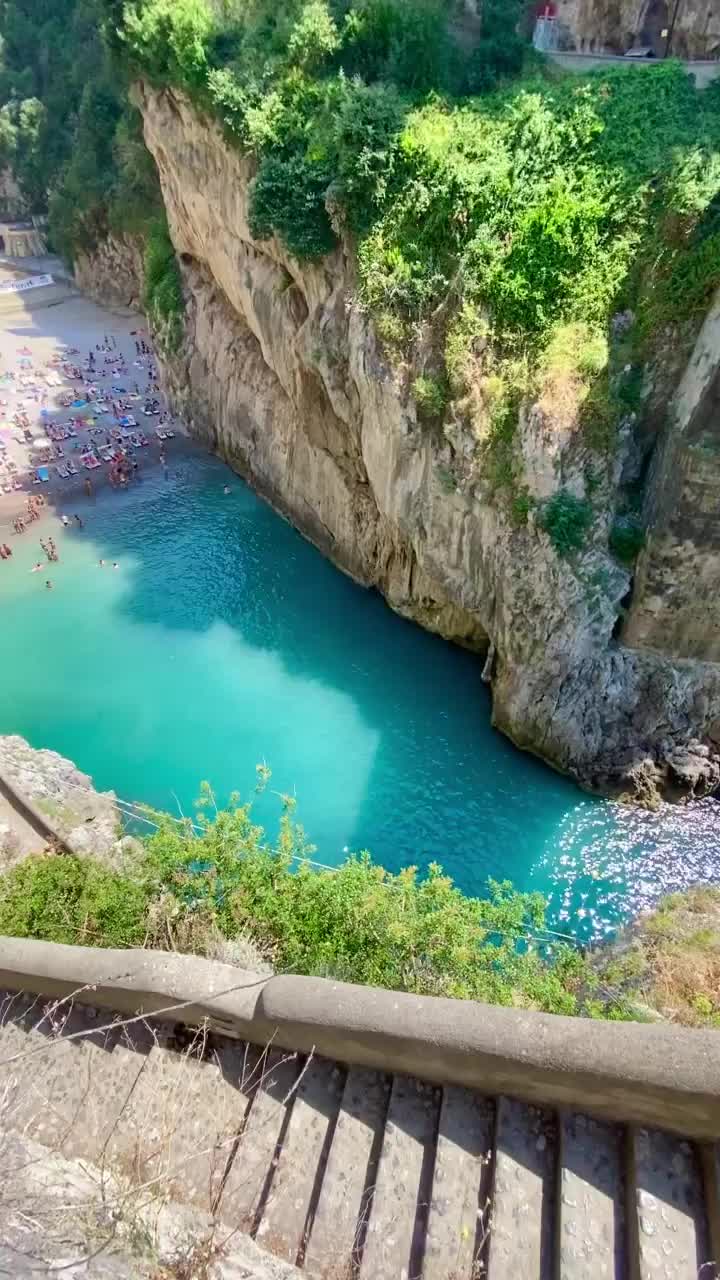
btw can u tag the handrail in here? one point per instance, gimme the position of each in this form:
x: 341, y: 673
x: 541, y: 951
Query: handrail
x: 650, y: 1075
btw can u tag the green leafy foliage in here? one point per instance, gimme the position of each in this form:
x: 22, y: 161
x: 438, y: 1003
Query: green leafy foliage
x: 221, y: 877
x: 163, y: 299
x: 430, y: 395
x: 288, y: 198
x: 566, y: 519
x: 72, y: 900
x: 627, y: 538
x: 67, y: 130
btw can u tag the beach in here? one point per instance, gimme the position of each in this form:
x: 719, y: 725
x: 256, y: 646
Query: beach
x: 47, y: 335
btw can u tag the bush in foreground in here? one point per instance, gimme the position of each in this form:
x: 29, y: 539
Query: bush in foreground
x: 199, y: 886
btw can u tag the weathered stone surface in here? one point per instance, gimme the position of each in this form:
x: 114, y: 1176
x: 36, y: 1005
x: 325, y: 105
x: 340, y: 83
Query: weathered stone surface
x: 671, y: 1227
x: 395, y: 1232
x: 459, y: 1218
x: 591, y: 1219
x: 113, y: 272
x: 301, y: 1161
x: 86, y: 818
x: 281, y: 373
x: 522, y: 1194
x: 618, y: 25
x: 342, y: 1211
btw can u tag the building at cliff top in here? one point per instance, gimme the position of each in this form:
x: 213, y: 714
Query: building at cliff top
x: 688, y: 29
x: 23, y: 239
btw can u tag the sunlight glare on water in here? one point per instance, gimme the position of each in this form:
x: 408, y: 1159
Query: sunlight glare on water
x: 223, y: 640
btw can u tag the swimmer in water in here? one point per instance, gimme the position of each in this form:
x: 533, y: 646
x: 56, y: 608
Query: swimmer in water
x: 115, y: 564
x: 226, y: 489
x: 101, y: 563
x: 48, y: 584
x: 36, y: 567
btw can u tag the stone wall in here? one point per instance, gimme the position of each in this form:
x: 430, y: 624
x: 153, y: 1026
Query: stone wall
x: 676, y: 601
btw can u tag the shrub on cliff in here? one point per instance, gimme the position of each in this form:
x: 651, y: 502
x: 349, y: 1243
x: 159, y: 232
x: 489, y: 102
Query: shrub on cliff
x: 195, y: 884
x: 163, y: 300
x: 566, y: 520
x: 72, y: 900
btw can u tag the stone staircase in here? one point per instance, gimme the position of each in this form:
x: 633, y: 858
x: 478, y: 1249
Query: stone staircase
x: 349, y: 1173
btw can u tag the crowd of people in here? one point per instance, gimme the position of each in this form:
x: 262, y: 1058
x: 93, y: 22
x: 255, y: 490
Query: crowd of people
x: 86, y: 417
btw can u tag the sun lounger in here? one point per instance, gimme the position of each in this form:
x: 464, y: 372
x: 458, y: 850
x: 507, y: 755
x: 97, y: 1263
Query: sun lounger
x: 71, y: 468
x: 62, y: 471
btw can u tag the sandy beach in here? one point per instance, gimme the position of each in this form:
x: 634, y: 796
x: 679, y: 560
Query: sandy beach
x: 38, y: 329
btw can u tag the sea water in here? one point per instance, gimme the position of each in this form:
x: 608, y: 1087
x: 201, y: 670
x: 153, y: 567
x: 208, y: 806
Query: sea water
x: 223, y: 640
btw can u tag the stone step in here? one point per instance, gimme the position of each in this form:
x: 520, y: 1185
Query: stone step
x: 459, y: 1208
x: 188, y: 1107
x: 338, y: 1229
x: 523, y: 1194
x: 67, y: 1092
x: 670, y: 1227
x: 347, y: 1172
x: 249, y: 1178
x: 710, y: 1160
x: 398, y: 1215
x: 286, y: 1217
x: 591, y: 1240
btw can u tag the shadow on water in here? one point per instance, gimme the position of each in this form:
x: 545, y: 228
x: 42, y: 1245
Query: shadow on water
x: 398, y: 719
x: 225, y: 639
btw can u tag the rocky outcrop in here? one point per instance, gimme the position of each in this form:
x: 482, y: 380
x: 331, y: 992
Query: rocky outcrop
x: 112, y: 272
x: 618, y: 25
x: 281, y: 373
x: 86, y: 819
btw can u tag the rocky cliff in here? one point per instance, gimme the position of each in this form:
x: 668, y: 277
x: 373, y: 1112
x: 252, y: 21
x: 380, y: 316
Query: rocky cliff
x: 281, y: 373
x: 618, y: 25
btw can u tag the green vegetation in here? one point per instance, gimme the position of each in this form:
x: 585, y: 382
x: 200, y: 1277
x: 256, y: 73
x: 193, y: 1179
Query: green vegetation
x: 430, y: 396
x: 627, y: 538
x: 216, y: 886
x: 500, y: 218
x: 163, y: 299
x: 566, y: 520
x: 189, y: 885
x: 669, y: 965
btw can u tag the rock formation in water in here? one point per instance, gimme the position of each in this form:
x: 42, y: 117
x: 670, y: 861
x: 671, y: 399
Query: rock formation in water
x: 280, y: 371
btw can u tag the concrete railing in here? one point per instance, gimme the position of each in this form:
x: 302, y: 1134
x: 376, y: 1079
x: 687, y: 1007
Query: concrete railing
x: 658, y: 1076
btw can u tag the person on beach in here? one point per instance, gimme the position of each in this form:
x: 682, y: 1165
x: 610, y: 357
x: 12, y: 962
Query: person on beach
x: 7, y: 550
x: 88, y: 487
x: 2, y: 553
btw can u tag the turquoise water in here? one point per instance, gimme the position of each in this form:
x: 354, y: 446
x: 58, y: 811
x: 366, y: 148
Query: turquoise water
x: 223, y: 640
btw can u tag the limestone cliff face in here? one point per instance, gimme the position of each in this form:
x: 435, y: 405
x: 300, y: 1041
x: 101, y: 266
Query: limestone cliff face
x: 280, y: 372
x: 618, y: 25
x: 113, y: 272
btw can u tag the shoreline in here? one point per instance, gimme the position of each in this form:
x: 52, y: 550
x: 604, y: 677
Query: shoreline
x: 30, y: 339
